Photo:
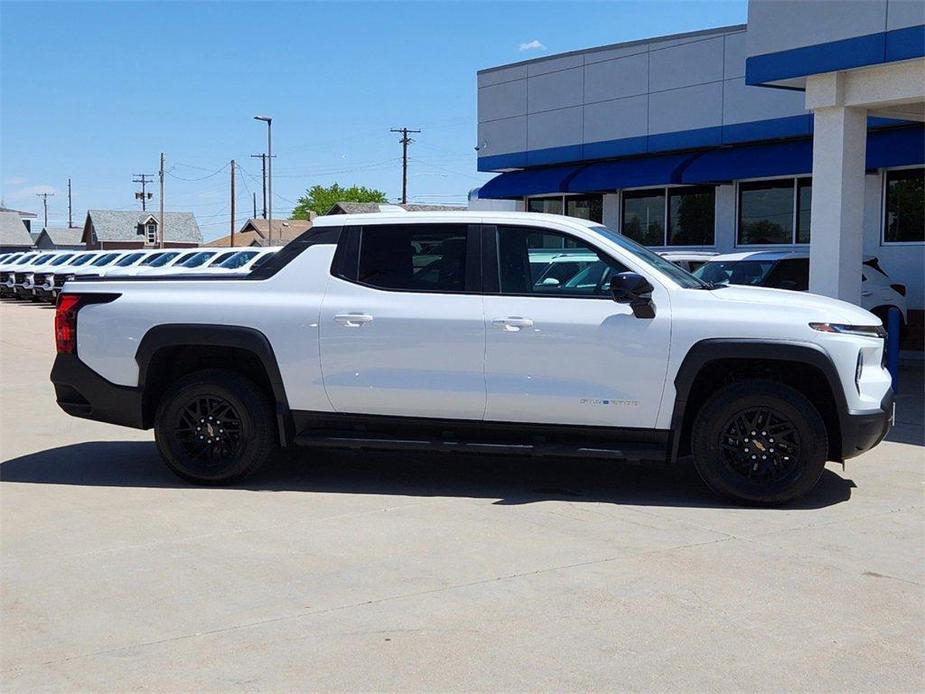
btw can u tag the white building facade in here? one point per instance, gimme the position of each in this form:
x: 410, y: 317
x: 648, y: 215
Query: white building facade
x: 802, y: 129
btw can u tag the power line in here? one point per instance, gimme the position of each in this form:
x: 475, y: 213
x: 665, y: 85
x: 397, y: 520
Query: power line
x: 405, y: 141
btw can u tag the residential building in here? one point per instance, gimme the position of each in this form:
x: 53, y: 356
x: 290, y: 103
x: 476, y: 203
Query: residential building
x: 255, y: 232
x: 801, y: 129
x: 63, y: 238
x: 105, y: 229
x: 13, y: 233
x: 26, y: 217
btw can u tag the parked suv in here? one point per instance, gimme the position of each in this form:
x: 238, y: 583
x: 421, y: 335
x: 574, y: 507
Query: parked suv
x: 432, y: 331
x: 790, y: 270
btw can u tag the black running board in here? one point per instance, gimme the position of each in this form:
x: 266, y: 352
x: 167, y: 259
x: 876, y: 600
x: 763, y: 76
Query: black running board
x: 624, y: 452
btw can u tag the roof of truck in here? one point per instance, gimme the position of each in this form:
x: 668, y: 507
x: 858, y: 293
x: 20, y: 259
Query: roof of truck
x: 447, y: 216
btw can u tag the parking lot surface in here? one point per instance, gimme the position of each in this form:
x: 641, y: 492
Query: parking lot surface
x: 440, y: 572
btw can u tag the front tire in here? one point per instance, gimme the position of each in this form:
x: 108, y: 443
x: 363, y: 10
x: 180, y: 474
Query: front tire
x: 215, y: 427
x: 759, y: 442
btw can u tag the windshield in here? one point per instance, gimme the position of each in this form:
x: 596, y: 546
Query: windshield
x: 197, y: 259
x: 264, y: 257
x: 25, y: 259
x: 679, y: 275
x: 81, y: 259
x: 129, y: 259
x: 238, y: 259
x: 159, y: 259
x: 105, y: 259
x: 749, y: 272
x: 44, y: 258
x: 61, y: 259
x: 221, y: 257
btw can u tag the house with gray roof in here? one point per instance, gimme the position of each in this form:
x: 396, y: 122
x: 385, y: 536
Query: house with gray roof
x: 62, y: 238
x: 26, y: 217
x: 105, y: 229
x: 14, y: 236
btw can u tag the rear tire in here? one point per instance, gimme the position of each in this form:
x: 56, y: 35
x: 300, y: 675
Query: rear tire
x: 215, y: 427
x: 759, y: 442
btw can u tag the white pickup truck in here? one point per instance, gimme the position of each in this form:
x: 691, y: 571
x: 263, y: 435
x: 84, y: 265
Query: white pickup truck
x: 435, y: 331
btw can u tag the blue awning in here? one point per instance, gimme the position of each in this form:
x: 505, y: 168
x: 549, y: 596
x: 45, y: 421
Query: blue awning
x: 778, y: 159
x: 629, y: 173
x: 900, y: 147
x: 517, y: 184
x: 885, y: 148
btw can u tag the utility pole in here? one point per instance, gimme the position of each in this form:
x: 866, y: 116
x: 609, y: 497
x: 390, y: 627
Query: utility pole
x: 70, y: 217
x: 232, y: 202
x: 255, y: 206
x: 45, y: 197
x: 160, y: 222
x: 263, y: 169
x: 405, y: 141
x: 144, y: 196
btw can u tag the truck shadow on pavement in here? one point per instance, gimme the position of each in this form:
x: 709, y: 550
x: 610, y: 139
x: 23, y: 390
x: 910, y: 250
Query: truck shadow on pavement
x: 511, y: 481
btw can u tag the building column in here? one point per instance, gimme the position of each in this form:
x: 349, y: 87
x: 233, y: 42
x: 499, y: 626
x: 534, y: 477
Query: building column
x: 611, y: 211
x: 837, y: 216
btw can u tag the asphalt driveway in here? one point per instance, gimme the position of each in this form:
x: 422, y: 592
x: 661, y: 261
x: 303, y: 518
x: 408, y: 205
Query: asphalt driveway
x: 439, y: 572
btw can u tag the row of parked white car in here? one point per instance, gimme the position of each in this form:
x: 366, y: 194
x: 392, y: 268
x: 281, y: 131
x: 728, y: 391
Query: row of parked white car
x: 40, y: 275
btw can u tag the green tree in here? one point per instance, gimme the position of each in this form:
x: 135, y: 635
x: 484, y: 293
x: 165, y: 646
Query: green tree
x: 320, y: 199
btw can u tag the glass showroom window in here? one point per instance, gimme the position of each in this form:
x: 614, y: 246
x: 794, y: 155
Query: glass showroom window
x: 670, y: 216
x: 691, y: 216
x: 774, y: 212
x: 905, y: 206
x: 547, y: 205
x: 590, y: 207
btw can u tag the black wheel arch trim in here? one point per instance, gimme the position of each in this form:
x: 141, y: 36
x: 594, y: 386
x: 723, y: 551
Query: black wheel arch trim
x: 251, y: 340
x: 714, y: 349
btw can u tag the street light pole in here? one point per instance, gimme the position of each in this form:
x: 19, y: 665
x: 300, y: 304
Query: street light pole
x: 269, y: 121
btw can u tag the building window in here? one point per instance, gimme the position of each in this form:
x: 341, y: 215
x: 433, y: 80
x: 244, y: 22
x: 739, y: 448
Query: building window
x: 683, y: 216
x: 905, y: 206
x: 691, y: 216
x: 151, y: 232
x: 546, y: 205
x: 590, y: 207
x: 644, y: 216
x: 774, y: 212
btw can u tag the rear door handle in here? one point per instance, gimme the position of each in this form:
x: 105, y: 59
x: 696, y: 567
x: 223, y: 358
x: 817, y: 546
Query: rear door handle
x: 353, y: 320
x: 867, y: 293
x: 512, y: 323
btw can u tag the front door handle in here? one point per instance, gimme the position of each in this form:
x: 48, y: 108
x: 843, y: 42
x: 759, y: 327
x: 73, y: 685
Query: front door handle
x: 353, y: 320
x: 512, y: 324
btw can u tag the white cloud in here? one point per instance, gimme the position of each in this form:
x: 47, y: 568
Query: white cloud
x: 534, y: 45
x: 30, y: 192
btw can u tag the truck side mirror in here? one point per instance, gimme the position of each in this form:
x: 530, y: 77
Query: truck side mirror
x: 633, y: 289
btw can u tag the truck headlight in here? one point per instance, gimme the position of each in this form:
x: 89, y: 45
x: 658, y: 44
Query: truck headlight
x: 865, y: 330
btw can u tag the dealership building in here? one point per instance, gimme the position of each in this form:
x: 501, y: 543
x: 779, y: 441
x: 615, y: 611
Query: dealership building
x: 802, y: 129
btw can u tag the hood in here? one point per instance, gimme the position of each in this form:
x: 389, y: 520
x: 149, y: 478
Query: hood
x: 814, y: 306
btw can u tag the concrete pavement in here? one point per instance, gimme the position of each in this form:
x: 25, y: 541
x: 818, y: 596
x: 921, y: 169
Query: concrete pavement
x: 418, y: 573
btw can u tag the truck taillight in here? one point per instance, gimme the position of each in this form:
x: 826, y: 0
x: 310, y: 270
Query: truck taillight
x: 66, y: 323
x: 66, y: 318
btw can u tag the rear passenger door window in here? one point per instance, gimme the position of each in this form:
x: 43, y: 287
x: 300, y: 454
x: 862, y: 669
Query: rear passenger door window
x: 418, y: 257
x: 535, y: 262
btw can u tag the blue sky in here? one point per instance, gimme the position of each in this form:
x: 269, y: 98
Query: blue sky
x: 96, y: 91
